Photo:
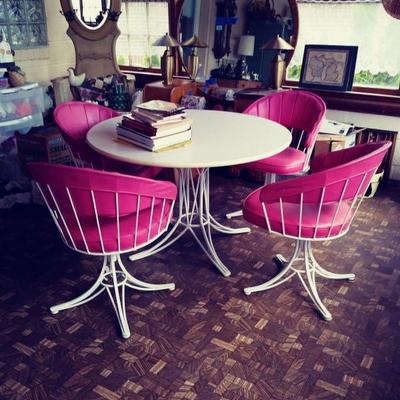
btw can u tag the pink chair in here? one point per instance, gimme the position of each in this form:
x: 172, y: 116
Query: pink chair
x: 106, y: 214
x: 315, y: 207
x: 74, y: 119
x: 301, y: 112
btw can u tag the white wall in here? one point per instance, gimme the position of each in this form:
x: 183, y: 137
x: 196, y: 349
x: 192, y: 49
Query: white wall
x: 46, y: 63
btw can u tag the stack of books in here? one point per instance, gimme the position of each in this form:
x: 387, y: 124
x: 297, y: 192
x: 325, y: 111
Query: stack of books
x: 156, y: 125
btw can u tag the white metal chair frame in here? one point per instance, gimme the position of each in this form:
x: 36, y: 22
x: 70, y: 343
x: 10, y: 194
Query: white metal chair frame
x: 310, y: 267
x: 194, y: 214
x: 113, y: 276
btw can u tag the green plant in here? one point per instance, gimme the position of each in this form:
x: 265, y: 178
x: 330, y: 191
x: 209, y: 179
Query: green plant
x: 121, y: 59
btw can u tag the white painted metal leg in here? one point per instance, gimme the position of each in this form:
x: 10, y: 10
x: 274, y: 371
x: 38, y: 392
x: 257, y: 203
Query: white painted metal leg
x: 137, y: 284
x: 311, y: 285
x: 205, y: 222
x: 85, y: 297
x: 327, y: 274
x: 194, y: 216
x: 118, y: 280
x: 114, y: 281
x: 234, y: 214
x: 310, y: 270
x: 283, y: 276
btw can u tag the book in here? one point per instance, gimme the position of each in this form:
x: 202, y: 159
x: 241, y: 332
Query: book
x: 158, y: 150
x: 153, y: 117
x: 161, y: 106
x: 156, y: 143
x: 162, y: 130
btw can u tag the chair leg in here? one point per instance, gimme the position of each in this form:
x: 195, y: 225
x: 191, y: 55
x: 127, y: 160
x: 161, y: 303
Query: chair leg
x: 85, y: 297
x: 327, y: 274
x: 137, y: 284
x: 118, y: 280
x: 283, y: 276
x: 114, y: 281
x: 234, y: 214
x: 310, y: 269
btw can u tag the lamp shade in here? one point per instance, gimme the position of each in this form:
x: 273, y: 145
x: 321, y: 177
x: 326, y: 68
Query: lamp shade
x: 246, y: 45
x: 277, y: 43
x: 166, y: 41
x: 194, y: 41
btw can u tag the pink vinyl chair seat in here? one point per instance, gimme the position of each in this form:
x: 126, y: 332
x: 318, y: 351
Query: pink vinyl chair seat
x: 314, y: 207
x: 74, y: 119
x: 147, y: 229
x: 287, y: 162
x: 253, y: 212
x: 300, y: 111
x: 106, y: 214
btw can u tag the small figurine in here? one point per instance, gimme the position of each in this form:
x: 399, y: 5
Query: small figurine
x: 75, y: 80
x: 6, y: 54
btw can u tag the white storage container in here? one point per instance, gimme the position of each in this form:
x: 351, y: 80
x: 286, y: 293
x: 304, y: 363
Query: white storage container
x: 21, y: 109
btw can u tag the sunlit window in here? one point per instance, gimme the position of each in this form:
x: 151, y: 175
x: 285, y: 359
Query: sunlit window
x: 141, y: 23
x: 362, y: 23
x: 23, y: 23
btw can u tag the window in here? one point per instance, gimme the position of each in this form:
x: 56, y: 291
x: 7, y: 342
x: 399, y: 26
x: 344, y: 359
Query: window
x: 141, y: 23
x: 23, y: 22
x: 362, y: 23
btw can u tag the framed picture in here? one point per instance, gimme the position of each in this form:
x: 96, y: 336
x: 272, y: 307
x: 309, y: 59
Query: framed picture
x: 328, y: 67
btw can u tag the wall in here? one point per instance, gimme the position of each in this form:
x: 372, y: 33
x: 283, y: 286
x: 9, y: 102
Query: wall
x: 45, y: 63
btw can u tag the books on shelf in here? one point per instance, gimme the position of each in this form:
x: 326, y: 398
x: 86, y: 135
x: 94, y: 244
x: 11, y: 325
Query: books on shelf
x: 155, y: 125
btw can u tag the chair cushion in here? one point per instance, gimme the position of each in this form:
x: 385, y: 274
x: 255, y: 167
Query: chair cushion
x: 127, y: 227
x: 253, y: 212
x: 288, y: 161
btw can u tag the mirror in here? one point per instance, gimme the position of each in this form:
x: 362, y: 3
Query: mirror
x: 189, y: 22
x: 91, y: 13
x: 263, y: 19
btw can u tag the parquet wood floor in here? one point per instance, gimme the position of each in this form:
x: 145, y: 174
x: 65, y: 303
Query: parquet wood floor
x: 206, y: 340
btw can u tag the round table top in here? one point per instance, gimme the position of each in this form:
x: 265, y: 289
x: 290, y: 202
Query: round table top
x: 218, y: 139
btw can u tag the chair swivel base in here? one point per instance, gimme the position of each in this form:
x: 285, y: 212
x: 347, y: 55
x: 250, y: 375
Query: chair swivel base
x: 114, y: 282
x: 310, y: 269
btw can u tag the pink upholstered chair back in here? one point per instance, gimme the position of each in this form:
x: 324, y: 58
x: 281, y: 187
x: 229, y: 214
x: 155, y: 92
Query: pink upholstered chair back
x: 74, y: 119
x: 335, y: 187
x: 99, y: 212
x: 301, y: 112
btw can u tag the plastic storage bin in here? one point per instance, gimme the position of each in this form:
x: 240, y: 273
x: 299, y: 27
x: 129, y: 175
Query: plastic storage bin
x: 20, y: 109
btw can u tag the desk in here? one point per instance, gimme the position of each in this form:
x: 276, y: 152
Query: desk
x: 217, y: 140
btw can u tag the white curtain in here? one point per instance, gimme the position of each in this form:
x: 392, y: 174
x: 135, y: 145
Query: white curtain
x: 141, y: 23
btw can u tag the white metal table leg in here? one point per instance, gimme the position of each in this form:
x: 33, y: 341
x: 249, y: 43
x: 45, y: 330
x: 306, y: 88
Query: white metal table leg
x: 194, y: 213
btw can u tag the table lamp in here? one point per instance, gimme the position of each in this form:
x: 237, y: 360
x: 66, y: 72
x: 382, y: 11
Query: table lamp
x: 278, y: 65
x: 245, y: 49
x: 167, y: 59
x: 193, y: 62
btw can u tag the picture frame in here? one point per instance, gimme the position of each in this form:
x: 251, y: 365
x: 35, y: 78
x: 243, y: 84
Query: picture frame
x: 328, y: 67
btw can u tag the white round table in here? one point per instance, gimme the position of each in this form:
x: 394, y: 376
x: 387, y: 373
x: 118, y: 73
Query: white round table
x: 218, y: 139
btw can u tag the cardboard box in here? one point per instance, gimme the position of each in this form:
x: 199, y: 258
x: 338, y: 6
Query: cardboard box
x: 43, y: 144
x: 326, y: 143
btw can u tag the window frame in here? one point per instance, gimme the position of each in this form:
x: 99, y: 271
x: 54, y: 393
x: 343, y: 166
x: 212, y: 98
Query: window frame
x: 379, y: 92
x: 27, y: 23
